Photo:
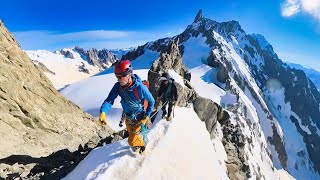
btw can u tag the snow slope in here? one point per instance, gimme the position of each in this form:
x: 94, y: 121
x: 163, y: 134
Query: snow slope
x: 173, y: 152
x: 66, y: 70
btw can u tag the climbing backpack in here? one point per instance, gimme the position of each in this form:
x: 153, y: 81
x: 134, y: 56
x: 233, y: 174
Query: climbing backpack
x: 145, y: 103
x: 135, y: 90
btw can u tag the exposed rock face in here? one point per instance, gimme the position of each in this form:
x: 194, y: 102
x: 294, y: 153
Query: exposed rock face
x: 35, y: 120
x: 207, y: 110
x: 216, y: 62
x: 83, y: 68
x: 42, y: 67
x: 198, y: 16
x: 100, y: 58
x: 67, y: 54
x: 171, y: 59
x: 132, y: 55
x: 234, y: 142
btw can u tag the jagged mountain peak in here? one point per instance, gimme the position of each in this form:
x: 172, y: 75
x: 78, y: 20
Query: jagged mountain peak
x: 201, y: 25
x: 228, y: 26
x: 68, y: 53
x: 230, y: 30
x: 78, y: 48
x: 103, y: 58
x: 198, y: 16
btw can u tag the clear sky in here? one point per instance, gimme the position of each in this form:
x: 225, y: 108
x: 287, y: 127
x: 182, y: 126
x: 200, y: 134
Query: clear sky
x: 291, y: 26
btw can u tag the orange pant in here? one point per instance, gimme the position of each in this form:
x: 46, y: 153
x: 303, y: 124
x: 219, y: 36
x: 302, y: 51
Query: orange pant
x: 134, y: 139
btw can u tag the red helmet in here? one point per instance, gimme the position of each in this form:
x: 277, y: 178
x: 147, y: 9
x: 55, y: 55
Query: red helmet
x: 123, y: 68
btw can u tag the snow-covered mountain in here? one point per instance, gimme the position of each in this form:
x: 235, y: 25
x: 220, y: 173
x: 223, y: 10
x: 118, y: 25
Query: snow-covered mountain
x: 100, y: 58
x: 70, y: 65
x: 278, y: 105
x: 312, y: 74
x: 120, y: 52
x: 62, y: 70
x: 274, y: 110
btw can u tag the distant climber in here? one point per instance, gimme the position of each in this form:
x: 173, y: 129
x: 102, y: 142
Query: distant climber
x: 133, y: 93
x: 167, y: 95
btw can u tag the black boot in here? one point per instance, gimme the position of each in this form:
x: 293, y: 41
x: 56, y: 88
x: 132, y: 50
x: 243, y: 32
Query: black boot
x: 142, y: 149
x: 163, y: 116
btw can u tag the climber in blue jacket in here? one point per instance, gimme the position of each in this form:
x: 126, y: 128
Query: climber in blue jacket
x: 133, y: 93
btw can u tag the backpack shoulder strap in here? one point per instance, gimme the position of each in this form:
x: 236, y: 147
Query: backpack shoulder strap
x: 135, y: 90
x: 136, y: 93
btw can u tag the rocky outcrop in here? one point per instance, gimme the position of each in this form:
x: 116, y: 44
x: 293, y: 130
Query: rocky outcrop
x: 207, y: 110
x: 35, y: 120
x: 234, y: 142
x: 83, y: 68
x: 219, y: 62
x: 233, y: 138
x: 42, y: 67
x: 54, y: 166
x: 198, y: 16
x: 171, y: 60
x: 67, y: 54
x: 100, y: 58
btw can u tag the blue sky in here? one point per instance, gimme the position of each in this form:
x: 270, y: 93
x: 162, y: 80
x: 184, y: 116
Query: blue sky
x: 291, y: 26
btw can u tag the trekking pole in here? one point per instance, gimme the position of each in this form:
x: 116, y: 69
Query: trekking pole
x: 173, y: 113
x: 158, y: 109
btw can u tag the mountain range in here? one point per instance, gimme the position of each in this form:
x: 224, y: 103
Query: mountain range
x: 260, y: 112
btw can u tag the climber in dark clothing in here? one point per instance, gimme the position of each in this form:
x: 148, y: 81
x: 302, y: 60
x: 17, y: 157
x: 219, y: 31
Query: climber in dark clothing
x: 167, y: 94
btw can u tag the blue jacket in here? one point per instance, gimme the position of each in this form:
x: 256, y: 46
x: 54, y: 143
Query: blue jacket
x: 143, y: 92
